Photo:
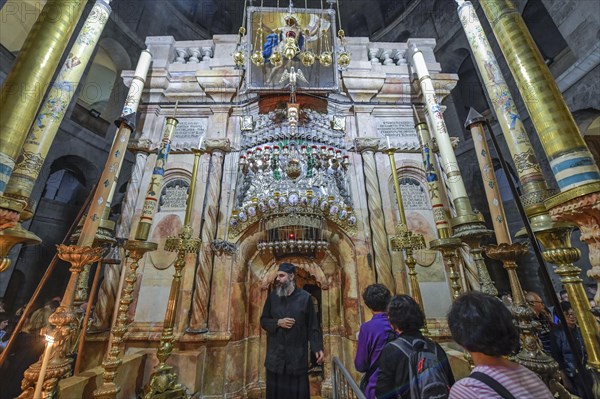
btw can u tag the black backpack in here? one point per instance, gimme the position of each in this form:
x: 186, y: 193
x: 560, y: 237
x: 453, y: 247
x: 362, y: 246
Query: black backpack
x: 428, y: 379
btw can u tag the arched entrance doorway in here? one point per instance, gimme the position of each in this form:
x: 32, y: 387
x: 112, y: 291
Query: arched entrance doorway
x: 332, y: 279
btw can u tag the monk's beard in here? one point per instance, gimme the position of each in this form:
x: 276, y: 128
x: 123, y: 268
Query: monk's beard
x: 284, y: 289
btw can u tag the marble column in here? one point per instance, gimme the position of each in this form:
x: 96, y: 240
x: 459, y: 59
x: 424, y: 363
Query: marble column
x: 367, y: 146
x: 199, y: 320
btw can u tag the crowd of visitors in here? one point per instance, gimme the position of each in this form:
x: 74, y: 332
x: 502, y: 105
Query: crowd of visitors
x: 399, y: 362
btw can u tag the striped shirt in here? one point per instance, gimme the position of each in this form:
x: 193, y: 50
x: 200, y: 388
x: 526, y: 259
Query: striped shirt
x: 521, y: 382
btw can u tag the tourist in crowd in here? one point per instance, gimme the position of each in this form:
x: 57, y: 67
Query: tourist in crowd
x: 372, y: 336
x: 542, y: 316
x: 484, y: 326
x: 572, y: 379
x: 399, y: 362
x: 4, y: 319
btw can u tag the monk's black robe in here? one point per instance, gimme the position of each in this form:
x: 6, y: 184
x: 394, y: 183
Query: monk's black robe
x: 287, y: 349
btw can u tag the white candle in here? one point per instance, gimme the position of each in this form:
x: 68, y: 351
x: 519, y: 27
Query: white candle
x: 388, y: 142
x: 438, y: 127
x: 46, y: 357
x: 201, y: 141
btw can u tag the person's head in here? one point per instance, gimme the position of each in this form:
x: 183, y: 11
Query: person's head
x: 481, y: 323
x: 405, y: 315
x: 285, y: 279
x: 570, y: 317
x: 4, y: 321
x: 563, y: 296
x: 535, y: 301
x: 53, y: 304
x: 377, y: 297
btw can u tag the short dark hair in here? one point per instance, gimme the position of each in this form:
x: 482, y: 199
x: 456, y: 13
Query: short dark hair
x: 566, y: 306
x: 481, y: 323
x: 405, y: 314
x: 377, y: 297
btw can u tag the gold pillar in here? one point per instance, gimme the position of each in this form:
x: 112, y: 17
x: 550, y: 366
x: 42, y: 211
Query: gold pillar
x: 571, y: 162
x: 570, y: 159
x: 27, y: 81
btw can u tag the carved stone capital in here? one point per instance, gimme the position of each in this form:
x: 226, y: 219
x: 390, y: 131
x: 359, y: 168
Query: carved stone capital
x: 362, y: 144
x: 453, y: 140
x: 218, y: 144
x: 139, y: 145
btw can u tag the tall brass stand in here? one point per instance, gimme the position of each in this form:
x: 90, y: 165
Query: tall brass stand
x: 163, y: 382
x: 406, y: 241
x: 112, y: 361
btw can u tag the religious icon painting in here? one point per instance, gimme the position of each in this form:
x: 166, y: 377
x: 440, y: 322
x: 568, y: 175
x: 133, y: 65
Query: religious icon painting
x: 291, y: 50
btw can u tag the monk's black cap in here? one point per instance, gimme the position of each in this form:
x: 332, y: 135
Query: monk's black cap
x: 287, y: 268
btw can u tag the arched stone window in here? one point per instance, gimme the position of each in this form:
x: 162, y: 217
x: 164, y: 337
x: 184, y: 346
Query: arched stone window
x: 543, y: 30
x: 67, y: 182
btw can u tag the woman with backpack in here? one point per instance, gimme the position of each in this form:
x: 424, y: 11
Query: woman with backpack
x: 482, y: 325
x: 411, y: 366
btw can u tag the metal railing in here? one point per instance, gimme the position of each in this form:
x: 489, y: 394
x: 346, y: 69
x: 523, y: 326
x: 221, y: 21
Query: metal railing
x: 344, y: 386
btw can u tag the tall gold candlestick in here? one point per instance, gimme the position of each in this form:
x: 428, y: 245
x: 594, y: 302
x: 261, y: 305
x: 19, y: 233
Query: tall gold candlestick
x: 112, y: 361
x: 25, y: 86
x: 163, y: 382
x: 406, y: 241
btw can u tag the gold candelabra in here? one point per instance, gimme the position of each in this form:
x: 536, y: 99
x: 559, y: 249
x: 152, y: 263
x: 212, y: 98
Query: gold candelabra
x: 109, y: 389
x: 406, y: 241
x: 163, y: 382
x: 64, y: 323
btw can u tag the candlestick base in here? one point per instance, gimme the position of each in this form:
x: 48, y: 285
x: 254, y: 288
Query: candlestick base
x: 448, y: 247
x: 163, y: 382
x: 163, y: 385
x: 65, y: 324
x: 472, y: 231
x: 12, y: 236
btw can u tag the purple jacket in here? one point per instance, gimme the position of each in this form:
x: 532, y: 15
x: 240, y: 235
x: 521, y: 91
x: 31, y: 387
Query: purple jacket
x: 373, y: 335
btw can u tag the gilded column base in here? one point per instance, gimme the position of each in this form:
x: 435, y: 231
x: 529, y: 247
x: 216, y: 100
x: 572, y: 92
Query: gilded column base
x: 12, y: 236
x: 531, y: 354
x: 163, y: 382
x: 583, y: 211
x: 112, y: 361
x: 558, y: 250
x: 163, y: 385
x: 472, y: 231
x: 448, y: 247
x: 10, y: 211
x: 64, y: 322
